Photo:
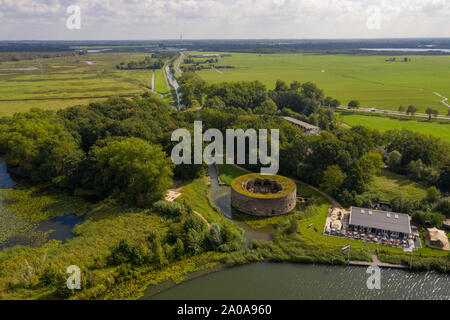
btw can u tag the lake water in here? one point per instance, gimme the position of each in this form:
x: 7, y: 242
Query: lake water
x: 287, y: 281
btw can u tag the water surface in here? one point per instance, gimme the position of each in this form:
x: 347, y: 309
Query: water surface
x: 287, y: 281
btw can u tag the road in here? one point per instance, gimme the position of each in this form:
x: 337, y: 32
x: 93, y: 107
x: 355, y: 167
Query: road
x: 370, y: 110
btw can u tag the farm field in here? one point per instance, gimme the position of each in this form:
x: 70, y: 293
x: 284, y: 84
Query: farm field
x: 436, y: 128
x: 369, y: 79
x: 68, y: 81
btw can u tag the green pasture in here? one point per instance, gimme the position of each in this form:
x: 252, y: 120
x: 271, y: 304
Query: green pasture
x: 438, y: 128
x: 68, y: 81
x: 369, y: 79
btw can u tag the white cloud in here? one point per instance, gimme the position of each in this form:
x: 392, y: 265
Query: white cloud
x: 147, y: 19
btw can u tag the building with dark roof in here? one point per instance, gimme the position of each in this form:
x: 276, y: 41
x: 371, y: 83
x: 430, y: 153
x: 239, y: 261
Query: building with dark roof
x: 305, y: 126
x: 380, y: 221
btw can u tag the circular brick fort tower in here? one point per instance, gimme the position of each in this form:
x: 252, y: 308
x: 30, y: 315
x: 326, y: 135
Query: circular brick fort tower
x: 260, y: 195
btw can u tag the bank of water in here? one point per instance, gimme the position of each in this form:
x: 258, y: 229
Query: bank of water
x: 15, y: 230
x: 287, y: 281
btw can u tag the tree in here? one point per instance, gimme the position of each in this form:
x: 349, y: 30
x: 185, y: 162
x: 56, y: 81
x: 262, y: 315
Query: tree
x: 179, y: 248
x: 193, y: 242
x: 134, y: 170
x: 401, y: 109
x: 394, y: 160
x: 354, y: 104
x: 411, y: 110
x: 268, y: 107
x: 37, y: 146
x: 214, y: 236
x: 280, y: 85
x: 433, y: 194
x: 372, y: 163
x: 333, y: 177
x: 443, y: 206
x: 330, y: 102
x: 444, y: 181
x: 429, y: 112
x: 292, y: 226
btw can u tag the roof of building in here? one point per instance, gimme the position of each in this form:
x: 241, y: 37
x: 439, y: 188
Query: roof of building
x: 435, y: 235
x: 383, y: 220
x: 301, y: 123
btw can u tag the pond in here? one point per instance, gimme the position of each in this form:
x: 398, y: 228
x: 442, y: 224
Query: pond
x: 15, y: 230
x: 287, y: 281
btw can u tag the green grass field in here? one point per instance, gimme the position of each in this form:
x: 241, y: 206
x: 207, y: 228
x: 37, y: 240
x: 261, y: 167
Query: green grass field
x: 161, y: 85
x: 369, y: 79
x: 382, y: 123
x: 68, y: 81
x: 389, y: 185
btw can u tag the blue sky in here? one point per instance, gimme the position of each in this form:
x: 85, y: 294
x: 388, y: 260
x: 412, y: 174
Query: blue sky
x: 223, y: 19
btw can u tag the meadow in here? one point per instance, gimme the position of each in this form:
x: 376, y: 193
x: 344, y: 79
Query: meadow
x: 370, y: 79
x: 384, y: 123
x: 59, y: 82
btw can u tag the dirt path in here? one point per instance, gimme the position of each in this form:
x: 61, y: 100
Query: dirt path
x: 443, y: 101
x: 376, y: 262
x: 331, y: 199
x: 203, y: 218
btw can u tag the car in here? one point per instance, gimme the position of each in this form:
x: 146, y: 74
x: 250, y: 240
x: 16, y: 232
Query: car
x: 385, y: 111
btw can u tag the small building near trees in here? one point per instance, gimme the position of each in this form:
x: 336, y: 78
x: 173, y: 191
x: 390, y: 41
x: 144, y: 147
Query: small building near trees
x: 306, y: 127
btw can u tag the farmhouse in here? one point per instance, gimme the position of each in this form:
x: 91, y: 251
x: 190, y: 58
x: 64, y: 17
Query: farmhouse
x: 306, y: 127
x: 377, y: 221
